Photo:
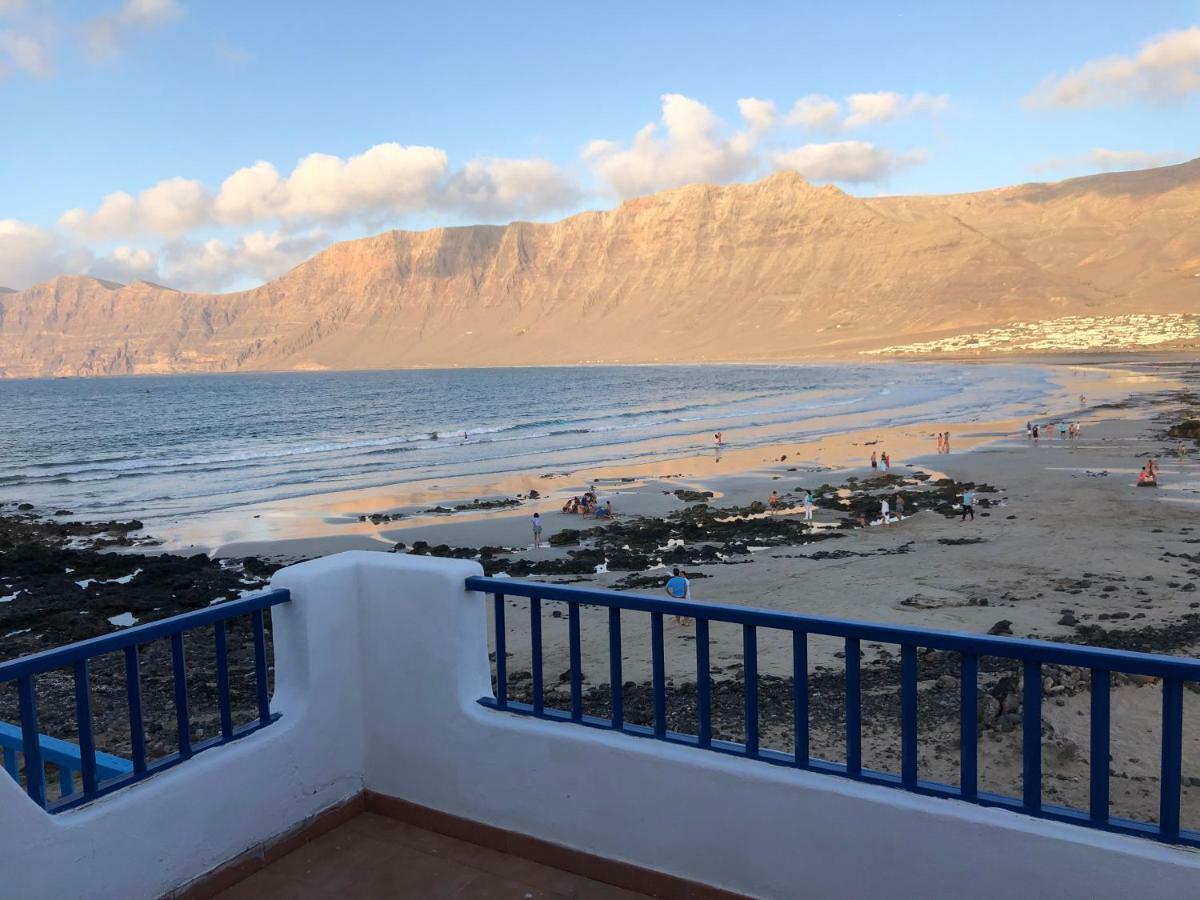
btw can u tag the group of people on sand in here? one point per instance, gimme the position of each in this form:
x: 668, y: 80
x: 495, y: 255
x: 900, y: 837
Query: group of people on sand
x: 943, y: 442
x: 1148, y: 477
x: 1065, y: 430
x: 880, y: 463
x: 588, y: 505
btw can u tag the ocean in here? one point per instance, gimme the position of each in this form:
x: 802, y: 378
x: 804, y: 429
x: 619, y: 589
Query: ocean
x: 172, y: 447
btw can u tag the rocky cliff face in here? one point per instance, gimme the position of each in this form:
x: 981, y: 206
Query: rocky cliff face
x: 778, y: 269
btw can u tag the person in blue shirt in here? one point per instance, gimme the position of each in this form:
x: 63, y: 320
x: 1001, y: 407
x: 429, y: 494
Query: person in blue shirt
x: 968, y: 506
x: 679, y: 588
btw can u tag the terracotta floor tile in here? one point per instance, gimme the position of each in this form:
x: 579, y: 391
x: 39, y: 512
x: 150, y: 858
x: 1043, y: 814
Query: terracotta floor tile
x: 373, y: 857
x: 418, y: 875
x: 329, y: 862
x: 268, y: 885
x: 491, y: 887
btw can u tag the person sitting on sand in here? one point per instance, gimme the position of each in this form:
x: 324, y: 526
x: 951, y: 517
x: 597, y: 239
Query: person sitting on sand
x: 608, y: 510
x: 773, y: 500
x: 679, y: 588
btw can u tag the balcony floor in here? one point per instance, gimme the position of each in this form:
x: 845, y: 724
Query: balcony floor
x: 374, y: 856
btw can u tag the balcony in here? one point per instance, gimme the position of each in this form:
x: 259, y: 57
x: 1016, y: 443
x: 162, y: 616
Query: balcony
x: 390, y: 733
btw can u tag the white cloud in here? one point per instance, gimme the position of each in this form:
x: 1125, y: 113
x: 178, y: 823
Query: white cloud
x: 816, y: 111
x: 108, y: 34
x: 854, y: 162
x: 215, y: 265
x: 126, y: 264
x: 170, y: 208
x: 386, y: 179
x: 29, y: 254
x: 820, y: 113
x: 692, y: 146
x: 884, y: 106
x: 20, y: 52
x: 385, y: 182
x: 493, y: 188
x: 760, y: 114
x: 1101, y: 160
x: 1166, y: 68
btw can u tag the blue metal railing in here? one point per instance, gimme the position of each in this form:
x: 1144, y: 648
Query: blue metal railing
x: 1031, y: 655
x: 64, y: 756
x: 96, y: 769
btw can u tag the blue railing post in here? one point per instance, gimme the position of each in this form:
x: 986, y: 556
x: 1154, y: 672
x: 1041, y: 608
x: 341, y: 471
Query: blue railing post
x: 615, y: 677
x: 133, y: 692
x: 968, y: 727
x: 535, y: 645
x: 1032, y: 736
x: 183, y: 722
x: 501, y: 652
x: 800, y: 697
x: 576, y: 662
x: 31, y: 747
x: 260, y: 668
x: 908, y: 715
x: 83, y: 719
x: 224, y: 704
x: 659, y: 675
x: 1172, y: 757
x: 1099, y: 762
x: 853, y: 707
x: 750, y: 681
x: 703, y: 685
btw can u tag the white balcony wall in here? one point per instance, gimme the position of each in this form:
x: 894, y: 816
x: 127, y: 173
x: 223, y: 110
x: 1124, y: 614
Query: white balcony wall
x: 381, y: 659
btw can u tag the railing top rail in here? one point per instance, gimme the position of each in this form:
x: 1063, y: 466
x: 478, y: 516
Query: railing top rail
x: 36, y: 663
x: 1125, y: 661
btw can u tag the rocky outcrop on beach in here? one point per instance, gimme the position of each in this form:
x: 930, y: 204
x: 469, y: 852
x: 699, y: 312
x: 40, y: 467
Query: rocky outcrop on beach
x: 778, y: 269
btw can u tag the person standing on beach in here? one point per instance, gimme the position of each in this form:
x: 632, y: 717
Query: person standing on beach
x: 968, y: 507
x: 536, y: 522
x: 885, y: 510
x: 808, y: 506
x: 679, y: 588
x: 874, y: 462
x: 946, y: 443
x: 939, y: 442
x: 899, y: 506
x: 773, y: 500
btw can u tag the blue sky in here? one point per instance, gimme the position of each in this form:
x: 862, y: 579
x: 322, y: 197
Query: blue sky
x: 506, y: 100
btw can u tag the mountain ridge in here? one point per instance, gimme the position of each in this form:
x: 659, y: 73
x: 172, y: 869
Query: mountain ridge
x: 767, y: 270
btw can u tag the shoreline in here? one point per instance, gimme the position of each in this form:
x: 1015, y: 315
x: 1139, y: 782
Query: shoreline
x: 322, y: 521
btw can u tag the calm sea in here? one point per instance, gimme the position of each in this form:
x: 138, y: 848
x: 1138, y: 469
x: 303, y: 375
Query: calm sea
x: 172, y: 447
